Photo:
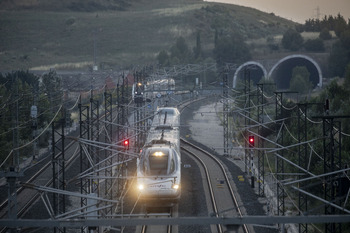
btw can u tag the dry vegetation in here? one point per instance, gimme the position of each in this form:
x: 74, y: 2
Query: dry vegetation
x: 134, y: 35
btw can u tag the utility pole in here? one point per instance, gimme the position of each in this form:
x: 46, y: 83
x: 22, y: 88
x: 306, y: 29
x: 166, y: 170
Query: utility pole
x: 15, y: 117
x: 303, y: 157
x: 225, y: 111
x: 34, y: 114
x: 280, y: 114
x: 332, y: 184
x: 261, y: 153
x: 246, y: 118
x: 13, y: 173
x: 95, y: 67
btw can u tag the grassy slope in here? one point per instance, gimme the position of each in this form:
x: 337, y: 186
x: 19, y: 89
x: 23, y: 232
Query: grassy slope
x: 135, y: 36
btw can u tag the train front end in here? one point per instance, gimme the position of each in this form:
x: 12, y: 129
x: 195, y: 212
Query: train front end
x: 158, y: 175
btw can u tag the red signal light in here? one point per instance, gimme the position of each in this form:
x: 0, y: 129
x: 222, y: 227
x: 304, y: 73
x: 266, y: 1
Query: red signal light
x: 251, y: 141
x: 126, y: 143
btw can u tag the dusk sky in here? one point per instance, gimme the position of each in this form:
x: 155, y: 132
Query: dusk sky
x: 297, y: 10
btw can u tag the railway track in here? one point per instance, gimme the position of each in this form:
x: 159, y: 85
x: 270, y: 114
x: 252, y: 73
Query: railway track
x: 156, y: 213
x: 43, y: 177
x: 223, y: 200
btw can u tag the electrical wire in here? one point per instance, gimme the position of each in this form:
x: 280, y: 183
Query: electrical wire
x: 29, y: 143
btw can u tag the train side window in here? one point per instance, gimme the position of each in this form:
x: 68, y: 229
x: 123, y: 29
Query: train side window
x: 172, y: 166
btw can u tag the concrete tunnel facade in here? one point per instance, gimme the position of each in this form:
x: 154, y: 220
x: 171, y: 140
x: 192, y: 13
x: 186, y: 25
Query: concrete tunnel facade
x: 257, y: 72
x: 281, y: 72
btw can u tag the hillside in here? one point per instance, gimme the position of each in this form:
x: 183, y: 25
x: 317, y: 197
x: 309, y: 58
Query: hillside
x: 64, y: 5
x: 128, y: 33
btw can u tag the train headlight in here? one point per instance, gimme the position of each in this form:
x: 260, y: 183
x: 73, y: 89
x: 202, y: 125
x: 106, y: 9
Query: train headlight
x: 158, y: 153
x: 176, y: 186
x: 140, y: 187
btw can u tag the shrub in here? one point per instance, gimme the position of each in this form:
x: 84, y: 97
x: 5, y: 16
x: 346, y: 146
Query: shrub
x: 315, y: 45
x: 292, y: 40
x: 325, y: 34
x: 70, y: 21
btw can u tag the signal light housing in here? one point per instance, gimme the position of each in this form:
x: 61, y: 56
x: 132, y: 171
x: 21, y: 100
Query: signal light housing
x: 251, y: 141
x: 326, y: 106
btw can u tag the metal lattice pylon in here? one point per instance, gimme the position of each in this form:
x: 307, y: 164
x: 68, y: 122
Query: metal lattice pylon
x: 279, y: 161
x: 58, y: 167
x: 302, y: 159
x: 84, y: 118
x: 95, y: 136
x: 122, y: 133
x: 139, y: 117
x: 332, y: 162
x: 108, y: 138
x: 261, y: 170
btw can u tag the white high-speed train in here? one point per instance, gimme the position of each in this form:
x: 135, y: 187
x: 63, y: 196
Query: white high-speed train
x: 159, y: 164
x: 155, y: 86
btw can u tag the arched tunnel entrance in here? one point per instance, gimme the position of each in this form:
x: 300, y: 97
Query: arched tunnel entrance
x: 256, y: 72
x: 282, y: 71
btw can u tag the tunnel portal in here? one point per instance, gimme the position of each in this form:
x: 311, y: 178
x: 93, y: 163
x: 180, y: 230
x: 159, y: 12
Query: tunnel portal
x: 282, y: 71
x: 255, y: 69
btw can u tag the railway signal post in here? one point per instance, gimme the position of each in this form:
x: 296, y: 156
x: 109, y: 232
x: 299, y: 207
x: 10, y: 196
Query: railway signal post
x: 251, y: 142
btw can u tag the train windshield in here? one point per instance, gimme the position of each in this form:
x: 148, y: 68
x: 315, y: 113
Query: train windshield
x: 158, y: 165
x: 169, y: 111
x: 158, y: 162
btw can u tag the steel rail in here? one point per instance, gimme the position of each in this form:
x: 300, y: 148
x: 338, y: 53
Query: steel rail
x: 212, y: 196
x: 233, y: 196
x: 168, y: 227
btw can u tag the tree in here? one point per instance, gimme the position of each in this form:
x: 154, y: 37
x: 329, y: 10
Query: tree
x: 340, y: 25
x: 338, y: 59
x: 347, y: 78
x: 292, y: 40
x: 52, y: 90
x: 337, y: 95
x: 163, y: 58
x: 300, y: 80
x: 16, y: 88
x: 345, y: 38
x: 179, y: 52
x: 231, y: 49
x: 197, y: 51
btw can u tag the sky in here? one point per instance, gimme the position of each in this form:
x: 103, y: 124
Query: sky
x: 297, y: 10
